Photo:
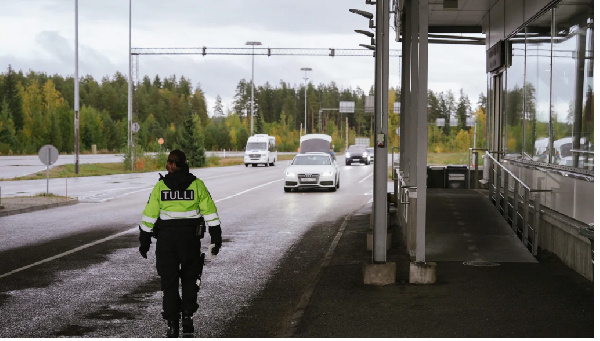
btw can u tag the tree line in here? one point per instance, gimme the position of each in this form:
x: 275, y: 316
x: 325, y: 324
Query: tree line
x: 37, y: 109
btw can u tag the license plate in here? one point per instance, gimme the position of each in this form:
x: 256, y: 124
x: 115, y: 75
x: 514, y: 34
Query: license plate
x: 308, y: 179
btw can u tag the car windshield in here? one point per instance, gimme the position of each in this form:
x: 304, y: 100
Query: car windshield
x: 256, y: 146
x: 356, y: 149
x: 303, y: 160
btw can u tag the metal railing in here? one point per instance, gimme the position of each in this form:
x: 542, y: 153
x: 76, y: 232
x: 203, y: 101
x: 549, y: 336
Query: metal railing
x: 517, y: 203
x: 475, y: 153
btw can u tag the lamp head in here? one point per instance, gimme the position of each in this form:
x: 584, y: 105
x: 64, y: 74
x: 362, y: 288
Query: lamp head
x: 363, y: 13
x: 367, y: 33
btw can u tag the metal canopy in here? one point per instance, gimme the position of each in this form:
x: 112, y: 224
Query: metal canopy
x: 459, y: 16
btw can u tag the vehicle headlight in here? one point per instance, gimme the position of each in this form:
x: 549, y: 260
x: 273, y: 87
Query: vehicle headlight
x: 290, y: 174
x: 328, y: 173
x: 347, y: 155
x: 365, y: 154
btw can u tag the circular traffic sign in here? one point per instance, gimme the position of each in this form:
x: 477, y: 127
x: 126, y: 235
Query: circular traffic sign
x: 161, y: 141
x: 48, y: 154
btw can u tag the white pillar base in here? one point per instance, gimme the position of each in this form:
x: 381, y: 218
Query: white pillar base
x: 379, y: 274
x: 422, y: 273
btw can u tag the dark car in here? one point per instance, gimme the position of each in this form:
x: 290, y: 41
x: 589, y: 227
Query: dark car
x: 357, y: 153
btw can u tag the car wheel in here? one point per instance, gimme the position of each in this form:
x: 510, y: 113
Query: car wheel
x: 246, y: 164
x: 287, y: 190
x: 337, y: 185
x: 347, y: 163
x: 332, y: 189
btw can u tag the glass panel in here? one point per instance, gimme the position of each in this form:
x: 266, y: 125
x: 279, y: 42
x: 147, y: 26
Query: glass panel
x: 513, y: 143
x: 261, y: 146
x: 490, y: 110
x: 537, y: 88
x: 572, y: 85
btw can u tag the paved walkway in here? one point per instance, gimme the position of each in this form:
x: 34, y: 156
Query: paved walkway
x: 519, y: 297
x: 18, y: 205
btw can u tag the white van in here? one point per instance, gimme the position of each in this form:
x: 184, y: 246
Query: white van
x: 260, y: 149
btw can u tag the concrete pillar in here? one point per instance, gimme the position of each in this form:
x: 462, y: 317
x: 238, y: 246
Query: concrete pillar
x: 422, y: 273
x: 379, y: 274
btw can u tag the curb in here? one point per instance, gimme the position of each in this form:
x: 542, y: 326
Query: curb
x: 4, y: 213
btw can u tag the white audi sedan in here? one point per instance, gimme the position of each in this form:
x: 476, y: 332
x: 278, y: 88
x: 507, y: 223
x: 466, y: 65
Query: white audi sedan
x: 312, y: 170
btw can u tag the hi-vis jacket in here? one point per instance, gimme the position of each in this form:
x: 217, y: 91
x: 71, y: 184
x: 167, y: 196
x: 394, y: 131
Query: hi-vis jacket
x: 180, y: 205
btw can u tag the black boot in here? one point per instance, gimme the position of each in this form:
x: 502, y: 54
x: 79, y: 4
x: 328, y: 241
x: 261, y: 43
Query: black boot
x: 187, y: 323
x: 173, y: 328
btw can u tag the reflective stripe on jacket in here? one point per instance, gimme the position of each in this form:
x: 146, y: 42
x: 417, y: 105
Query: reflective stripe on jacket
x: 192, y: 203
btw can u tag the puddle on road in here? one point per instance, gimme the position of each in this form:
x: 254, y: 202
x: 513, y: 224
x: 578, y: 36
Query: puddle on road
x: 107, y: 313
x: 74, y: 330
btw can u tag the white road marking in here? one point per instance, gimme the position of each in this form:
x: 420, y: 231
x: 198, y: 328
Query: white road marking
x: 60, y: 255
x: 366, y: 177
x: 246, y: 191
x: 115, y: 235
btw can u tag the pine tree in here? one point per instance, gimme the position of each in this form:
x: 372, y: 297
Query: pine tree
x: 259, y: 127
x: 8, y: 135
x: 11, y: 95
x: 190, y: 141
x: 218, y: 109
x: 198, y: 105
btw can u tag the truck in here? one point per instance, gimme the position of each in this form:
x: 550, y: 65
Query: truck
x: 260, y: 149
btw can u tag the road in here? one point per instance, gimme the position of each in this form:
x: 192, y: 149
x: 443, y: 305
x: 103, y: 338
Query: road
x: 76, y: 271
x: 22, y: 165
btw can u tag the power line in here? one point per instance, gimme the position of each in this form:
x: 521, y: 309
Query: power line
x: 267, y: 51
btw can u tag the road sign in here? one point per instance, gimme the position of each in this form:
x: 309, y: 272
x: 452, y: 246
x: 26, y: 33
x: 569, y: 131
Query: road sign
x: 161, y: 141
x: 135, y: 127
x: 347, y: 107
x: 48, y: 154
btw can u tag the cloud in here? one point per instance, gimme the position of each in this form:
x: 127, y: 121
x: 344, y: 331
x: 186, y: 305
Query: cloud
x: 56, y: 46
x: 46, y: 30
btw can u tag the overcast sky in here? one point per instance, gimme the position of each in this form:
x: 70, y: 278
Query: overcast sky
x: 39, y: 35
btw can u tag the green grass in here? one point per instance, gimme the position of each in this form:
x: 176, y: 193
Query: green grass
x: 97, y: 169
x: 442, y: 159
x: 91, y: 169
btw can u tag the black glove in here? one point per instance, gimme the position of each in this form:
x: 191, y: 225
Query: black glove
x: 156, y: 229
x: 145, y: 241
x: 215, y: 238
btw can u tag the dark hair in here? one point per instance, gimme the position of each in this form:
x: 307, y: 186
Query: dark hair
x: 176, y: 161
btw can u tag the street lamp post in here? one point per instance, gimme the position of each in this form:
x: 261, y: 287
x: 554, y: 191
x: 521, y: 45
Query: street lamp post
x: 305, y: 69
x: 76, y: 90
x: 252, y: 43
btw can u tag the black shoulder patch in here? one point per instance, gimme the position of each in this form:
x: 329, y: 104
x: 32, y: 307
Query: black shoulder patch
x: 184, y: 194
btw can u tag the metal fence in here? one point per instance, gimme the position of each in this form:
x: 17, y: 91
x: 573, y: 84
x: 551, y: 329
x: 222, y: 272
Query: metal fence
x: 519, y: 204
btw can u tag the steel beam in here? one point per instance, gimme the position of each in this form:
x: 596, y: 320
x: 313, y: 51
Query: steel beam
x: 381, y: 133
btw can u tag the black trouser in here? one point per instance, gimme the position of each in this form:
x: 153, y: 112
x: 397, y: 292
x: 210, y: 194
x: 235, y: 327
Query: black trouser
x: 178, y: 256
